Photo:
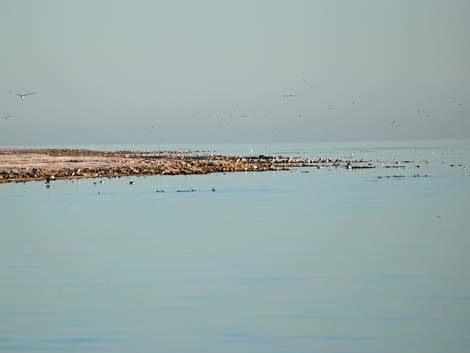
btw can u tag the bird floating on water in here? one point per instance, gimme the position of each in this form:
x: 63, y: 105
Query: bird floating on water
x: 23, y: 95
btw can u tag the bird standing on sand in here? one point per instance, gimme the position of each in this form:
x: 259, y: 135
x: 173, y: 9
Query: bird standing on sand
x: 22, y: 96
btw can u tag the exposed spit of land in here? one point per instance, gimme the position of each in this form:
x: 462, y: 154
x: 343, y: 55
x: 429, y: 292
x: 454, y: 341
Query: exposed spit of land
x: 20, y: 165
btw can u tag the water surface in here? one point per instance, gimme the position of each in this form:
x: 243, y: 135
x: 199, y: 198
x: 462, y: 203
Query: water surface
x: 326, y: 261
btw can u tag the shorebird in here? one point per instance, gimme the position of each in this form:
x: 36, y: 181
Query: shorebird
x: 22, y: 96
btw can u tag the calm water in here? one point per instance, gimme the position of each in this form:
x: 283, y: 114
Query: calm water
x: 326, y: 261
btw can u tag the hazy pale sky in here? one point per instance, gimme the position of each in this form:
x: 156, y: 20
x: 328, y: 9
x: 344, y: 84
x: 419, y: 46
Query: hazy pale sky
x: 217, y: 70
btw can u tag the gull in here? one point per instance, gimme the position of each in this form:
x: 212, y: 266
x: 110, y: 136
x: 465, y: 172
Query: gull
x: 6, y: 117
x: 23, y: 95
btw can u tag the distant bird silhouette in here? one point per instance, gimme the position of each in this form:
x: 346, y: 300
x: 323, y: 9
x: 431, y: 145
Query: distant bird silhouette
x: 287, y: 96
x: 393, y: 122
x: 22, y: 96
x: 6, y: 117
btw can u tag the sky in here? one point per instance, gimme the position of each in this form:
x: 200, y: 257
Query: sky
x: 215, y: 71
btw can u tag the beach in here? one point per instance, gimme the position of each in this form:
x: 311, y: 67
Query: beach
x: 21, y: 165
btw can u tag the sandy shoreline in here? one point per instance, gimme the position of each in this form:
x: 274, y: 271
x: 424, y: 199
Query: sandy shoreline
x: 19, y: 165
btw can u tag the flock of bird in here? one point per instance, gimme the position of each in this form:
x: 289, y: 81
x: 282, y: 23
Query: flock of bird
x: 291, y: 95
x: 217, y: 115
x: 21, y: 96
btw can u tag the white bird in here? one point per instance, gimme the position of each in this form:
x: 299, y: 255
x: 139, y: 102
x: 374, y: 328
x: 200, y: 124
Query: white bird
x: 22, y: 96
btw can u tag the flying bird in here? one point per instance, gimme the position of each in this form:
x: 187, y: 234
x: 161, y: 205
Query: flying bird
x: 22, y: 96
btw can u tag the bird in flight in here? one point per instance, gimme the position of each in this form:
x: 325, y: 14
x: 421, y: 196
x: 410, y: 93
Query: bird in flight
x: 22, y: 96
x: 6, y: 117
